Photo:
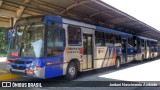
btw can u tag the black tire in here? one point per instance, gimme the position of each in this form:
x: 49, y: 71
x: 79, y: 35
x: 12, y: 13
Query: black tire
x: 72, y: 70
x: 117, y: 63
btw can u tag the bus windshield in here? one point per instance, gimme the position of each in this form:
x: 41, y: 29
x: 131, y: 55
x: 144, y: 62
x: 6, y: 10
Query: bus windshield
x: 27, y: 41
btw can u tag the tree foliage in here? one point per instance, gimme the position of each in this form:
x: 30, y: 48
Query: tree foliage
x: 3, y: 40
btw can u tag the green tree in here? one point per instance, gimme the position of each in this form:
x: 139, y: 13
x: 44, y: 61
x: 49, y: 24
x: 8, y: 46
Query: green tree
x: 3, y: 41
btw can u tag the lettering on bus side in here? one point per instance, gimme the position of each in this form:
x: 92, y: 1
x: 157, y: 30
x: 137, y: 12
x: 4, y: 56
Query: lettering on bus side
x: 74, y: 50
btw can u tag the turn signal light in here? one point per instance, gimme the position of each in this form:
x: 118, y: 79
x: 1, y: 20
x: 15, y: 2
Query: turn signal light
x: 37, y: 68
x: 81, y: 51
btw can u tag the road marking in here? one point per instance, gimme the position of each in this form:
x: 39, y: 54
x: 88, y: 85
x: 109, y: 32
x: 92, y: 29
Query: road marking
x: 8, y: 77
x: 3, y: 71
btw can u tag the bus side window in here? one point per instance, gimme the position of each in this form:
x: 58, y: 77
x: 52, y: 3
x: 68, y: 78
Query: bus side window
x: 130, y: 42
x: 138, y: 43
x: 117, y: 40
x: 142, y: 43
x: 74, y: 35
x: 99, y: 38
x: 113, y: 39
x: 55, y: 41
x: 107, y: 39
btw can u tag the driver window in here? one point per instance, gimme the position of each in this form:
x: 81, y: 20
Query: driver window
x: 55, y: 41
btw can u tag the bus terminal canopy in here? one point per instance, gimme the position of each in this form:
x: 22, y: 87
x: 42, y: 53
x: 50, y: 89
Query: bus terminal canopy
x: 90, y: 11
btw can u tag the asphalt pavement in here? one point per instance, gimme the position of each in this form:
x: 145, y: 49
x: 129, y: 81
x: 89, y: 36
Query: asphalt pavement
x: 134, y: 71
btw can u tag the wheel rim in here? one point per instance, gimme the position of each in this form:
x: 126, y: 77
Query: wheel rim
x: 72, y: 71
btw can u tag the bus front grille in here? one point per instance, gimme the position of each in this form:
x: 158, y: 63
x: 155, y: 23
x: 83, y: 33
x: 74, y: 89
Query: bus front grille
x: 18, y: 67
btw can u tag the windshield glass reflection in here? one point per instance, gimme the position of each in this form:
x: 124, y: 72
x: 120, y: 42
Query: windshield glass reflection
x: 28, y: 40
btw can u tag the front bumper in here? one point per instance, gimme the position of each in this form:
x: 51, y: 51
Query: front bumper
x: 37, y: 74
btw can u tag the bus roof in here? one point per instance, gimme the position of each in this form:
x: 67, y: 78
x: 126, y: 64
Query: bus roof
x: 113, y: 31
x: 145, y: 38
x: 64, y: 20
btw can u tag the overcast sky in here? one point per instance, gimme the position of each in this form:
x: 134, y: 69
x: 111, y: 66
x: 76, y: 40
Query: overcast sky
x: 147, y: 11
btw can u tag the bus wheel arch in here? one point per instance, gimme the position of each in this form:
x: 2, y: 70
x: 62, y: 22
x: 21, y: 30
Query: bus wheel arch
x: 72, y: 69
x: 77, y: 63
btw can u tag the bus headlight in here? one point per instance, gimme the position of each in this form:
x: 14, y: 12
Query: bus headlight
x: 29, y: 72
x: 32, y: 68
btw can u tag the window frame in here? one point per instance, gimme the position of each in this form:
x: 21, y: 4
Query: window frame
x: 46, y: 39
x: 105, y: 34
x: 103, y: 43
x: 80, y: 35
x: 29, y: 24
x: 130, y: 41
x: 117, y: 38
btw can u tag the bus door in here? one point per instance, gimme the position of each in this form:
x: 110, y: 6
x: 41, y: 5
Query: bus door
x: 149, y: 48
x: 145, y: 48
x: 88, y: 51
x: 124, y: 49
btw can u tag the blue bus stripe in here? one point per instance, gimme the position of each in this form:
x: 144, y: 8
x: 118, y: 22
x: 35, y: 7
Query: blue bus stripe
x: 112, y: 31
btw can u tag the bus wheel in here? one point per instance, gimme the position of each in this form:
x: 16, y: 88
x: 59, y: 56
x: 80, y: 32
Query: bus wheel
x: 117, y: 63
x: 71, y: 71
